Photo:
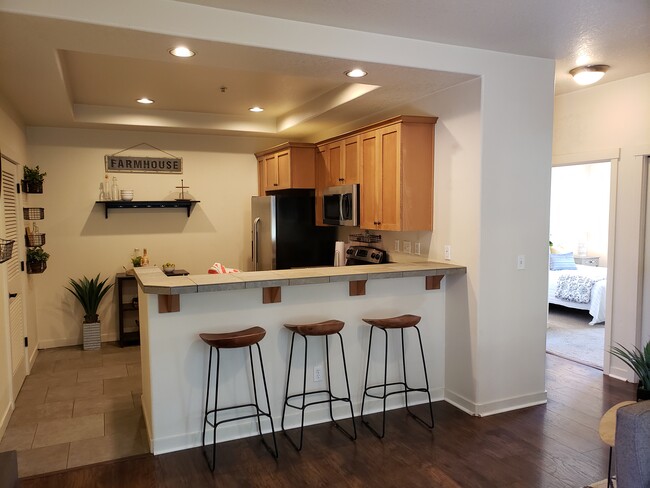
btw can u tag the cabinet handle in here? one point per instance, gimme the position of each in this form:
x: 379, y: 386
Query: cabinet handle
x: 13, y: 295
x: 275, y: 184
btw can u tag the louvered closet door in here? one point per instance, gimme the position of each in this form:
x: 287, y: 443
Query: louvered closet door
x: 14, y: 276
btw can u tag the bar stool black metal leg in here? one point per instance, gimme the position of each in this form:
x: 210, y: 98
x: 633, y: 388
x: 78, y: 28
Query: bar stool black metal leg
x: 274, y: 452
x: 297, y: 446
x: 207, y: 402
x: 385, y: 395
x: 348, y: 399
x: 365, y: 383
x: 426, y: 381
x: 286, y: 390
x: 214, y: 423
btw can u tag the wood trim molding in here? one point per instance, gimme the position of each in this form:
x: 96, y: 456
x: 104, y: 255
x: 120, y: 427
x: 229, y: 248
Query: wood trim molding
x: 169, y: 303
x: 433, y: 282
x: 272, y: 294
x: 357, y: 288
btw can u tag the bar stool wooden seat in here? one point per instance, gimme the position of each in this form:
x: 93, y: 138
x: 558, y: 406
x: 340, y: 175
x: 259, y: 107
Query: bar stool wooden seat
x: 396, y: 323
x: 231, y: 340
x: 324, y: 329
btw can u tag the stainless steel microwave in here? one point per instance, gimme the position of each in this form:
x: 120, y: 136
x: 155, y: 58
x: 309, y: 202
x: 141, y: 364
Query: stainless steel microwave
x: 341, y: 205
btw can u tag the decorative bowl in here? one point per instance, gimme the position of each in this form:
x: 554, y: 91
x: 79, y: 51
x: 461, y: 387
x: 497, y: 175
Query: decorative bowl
x: 126, y: 195
x: 168, y: 268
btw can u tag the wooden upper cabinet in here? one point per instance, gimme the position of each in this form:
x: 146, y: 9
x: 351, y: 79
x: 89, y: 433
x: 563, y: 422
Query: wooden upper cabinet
x: 351, y: 151
x: 341, y: 161
x: 397, y: 175
x: 290, y: 165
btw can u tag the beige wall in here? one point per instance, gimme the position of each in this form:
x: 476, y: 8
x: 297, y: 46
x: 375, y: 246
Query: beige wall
x: 591, y: 124
x: 220, y: 171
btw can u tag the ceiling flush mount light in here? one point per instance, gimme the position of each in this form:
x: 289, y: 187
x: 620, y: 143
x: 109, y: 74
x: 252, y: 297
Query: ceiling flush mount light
x: 586, y: 75
x: 181, y: 52
x: 256, y: 109
x: 356, y: 73
x: 145, y: 100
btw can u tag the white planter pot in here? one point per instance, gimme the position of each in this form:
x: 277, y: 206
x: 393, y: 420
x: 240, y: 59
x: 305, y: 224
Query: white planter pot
x: 92, y: 335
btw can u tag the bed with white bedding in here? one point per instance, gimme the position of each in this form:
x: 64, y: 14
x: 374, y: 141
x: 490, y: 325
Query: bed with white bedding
x: 583, y: 288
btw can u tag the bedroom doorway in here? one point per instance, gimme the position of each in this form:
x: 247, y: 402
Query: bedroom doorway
x: 578, y: 245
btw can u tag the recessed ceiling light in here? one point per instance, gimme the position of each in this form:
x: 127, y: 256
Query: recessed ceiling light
x: 181, y: 52
x: 256, y: 109
x: 586, y: 75
x: 145, y: 100
x: 356, y: 73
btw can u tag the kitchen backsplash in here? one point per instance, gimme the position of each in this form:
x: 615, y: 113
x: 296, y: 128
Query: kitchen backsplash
x: 391, y: 240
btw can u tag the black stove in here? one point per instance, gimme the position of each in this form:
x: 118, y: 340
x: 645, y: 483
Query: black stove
x: 364, y: 255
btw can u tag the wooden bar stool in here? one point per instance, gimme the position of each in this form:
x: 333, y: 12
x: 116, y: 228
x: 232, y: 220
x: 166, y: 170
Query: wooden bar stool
x: 232, y: 340
x: 325, y: 329
x: 402, y: 322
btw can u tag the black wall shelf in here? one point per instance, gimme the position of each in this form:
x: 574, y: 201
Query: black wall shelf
x: 186, y: 204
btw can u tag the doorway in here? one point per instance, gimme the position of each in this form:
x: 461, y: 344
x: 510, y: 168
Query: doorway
x: 578, y: 244
x: 14, y: 277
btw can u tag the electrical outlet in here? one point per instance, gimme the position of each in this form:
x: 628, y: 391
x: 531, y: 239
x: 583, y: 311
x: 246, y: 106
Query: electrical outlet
x: 318, y: 373
x: 416, y: 248
x: 521, y: 261
x: 396, y: 245
x: 406, y: 246
x: 447, y: 252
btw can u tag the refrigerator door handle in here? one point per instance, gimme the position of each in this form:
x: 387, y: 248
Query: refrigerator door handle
x: 256, y: 233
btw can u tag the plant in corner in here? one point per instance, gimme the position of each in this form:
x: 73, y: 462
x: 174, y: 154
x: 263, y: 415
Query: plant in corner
x: 90, y: 294
x: 639, y: 361
x: 36, y: 260
x: 33, y: 179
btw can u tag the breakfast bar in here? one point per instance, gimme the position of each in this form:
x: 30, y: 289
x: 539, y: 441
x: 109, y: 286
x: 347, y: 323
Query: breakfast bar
x: 175, y: 310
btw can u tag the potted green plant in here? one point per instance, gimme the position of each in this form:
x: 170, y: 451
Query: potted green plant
x: 33, y: 179
x: 36, y: 260
x: 639, y: 361
x: 90, y: 294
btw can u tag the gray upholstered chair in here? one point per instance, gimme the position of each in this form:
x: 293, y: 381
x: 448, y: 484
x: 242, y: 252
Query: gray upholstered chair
x: 633, y: 446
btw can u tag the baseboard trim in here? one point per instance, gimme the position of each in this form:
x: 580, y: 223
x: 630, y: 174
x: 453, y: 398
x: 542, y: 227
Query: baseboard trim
x: 4, y: 420
x: 493, y: 408
x: 51, y: 343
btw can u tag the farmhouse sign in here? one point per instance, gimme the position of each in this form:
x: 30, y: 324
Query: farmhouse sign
x: 136, y: 164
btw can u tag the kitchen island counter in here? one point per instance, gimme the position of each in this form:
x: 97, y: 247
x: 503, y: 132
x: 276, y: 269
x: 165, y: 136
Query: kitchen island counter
x: 175, y: 359
x: 154, y: 281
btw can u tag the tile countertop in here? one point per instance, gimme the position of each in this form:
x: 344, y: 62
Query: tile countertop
x: 154, y: 281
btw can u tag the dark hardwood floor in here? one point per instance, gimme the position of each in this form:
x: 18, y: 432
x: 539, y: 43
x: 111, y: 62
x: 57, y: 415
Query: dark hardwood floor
x: 554, y: 445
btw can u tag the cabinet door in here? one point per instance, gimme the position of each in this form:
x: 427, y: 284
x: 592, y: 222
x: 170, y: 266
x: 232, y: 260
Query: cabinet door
x: 322, y: 178
x: 271, y: 172
x: 350, y: 173
x: 370, y: 180
x: 261, y: 177
x: 389, y: 212
x: 284, y: 169
x: 335, y: 157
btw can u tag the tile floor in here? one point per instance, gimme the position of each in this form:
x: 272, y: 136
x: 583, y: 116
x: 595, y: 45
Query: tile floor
x: 76, y: 408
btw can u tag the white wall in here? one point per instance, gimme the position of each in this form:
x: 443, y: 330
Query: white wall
x: 607, y: 118
x: 220, y: 171
x: 580, y: 209
x: 505, y: 197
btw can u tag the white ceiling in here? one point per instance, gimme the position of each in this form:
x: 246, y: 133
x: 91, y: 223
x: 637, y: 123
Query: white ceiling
x: 60, y: 72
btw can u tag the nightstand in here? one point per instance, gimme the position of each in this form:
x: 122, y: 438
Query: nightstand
x: 587, y: 260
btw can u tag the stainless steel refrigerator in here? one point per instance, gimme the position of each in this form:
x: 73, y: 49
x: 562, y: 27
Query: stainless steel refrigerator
x: 284, y: 233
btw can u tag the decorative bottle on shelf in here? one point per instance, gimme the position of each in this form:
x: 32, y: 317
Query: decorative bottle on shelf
x: 115, y: 190
x: 145, y: 258
x: 106, y: 189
